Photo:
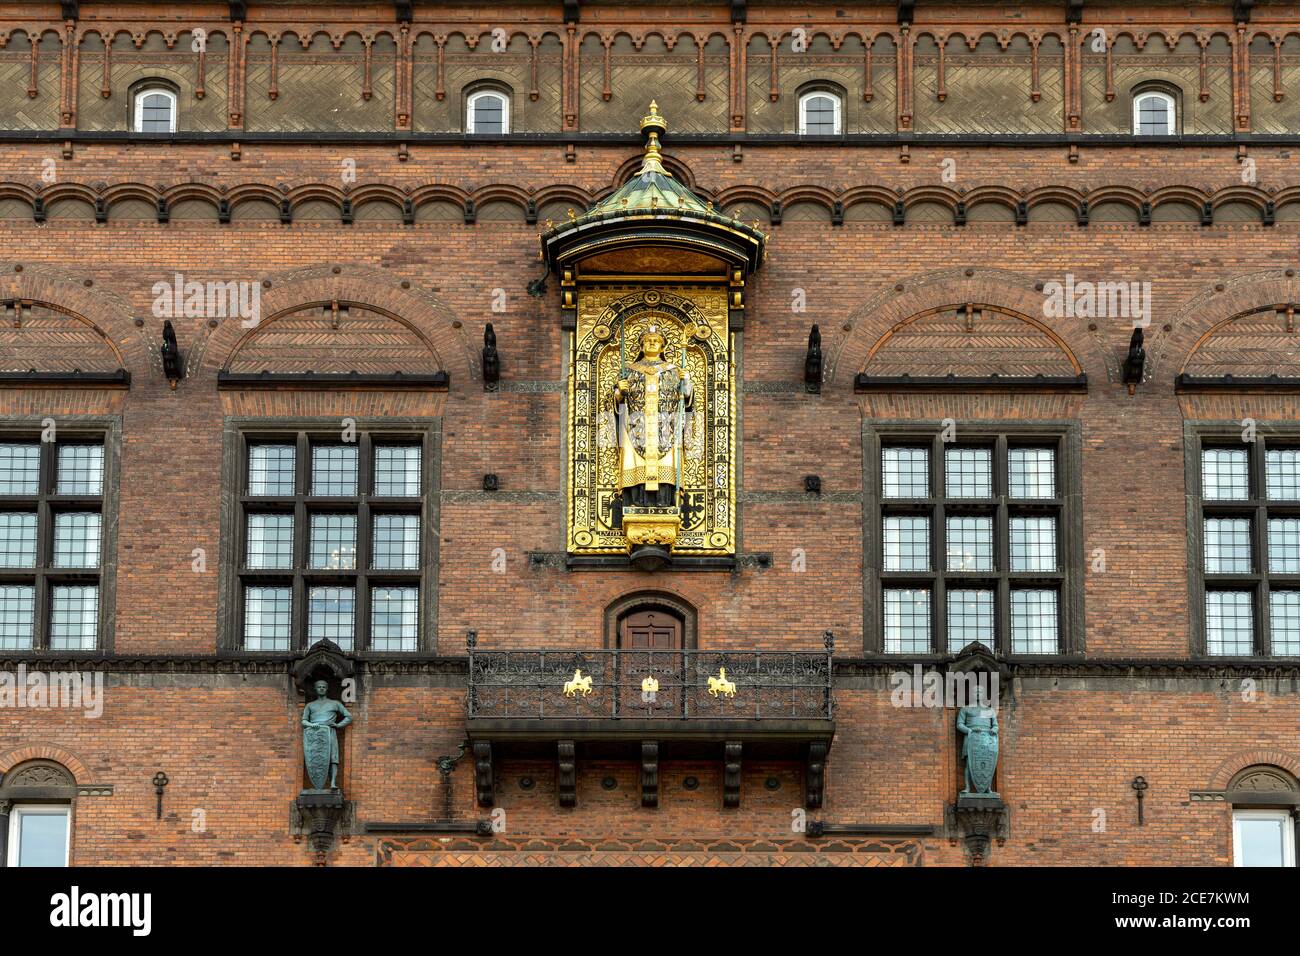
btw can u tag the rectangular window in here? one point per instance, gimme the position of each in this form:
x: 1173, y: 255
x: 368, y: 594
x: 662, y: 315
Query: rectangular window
x: 333, y: 538
x: 18, y: 539
x: 1284, y: 612
x: 1263, y: 838
x: 970, y: 543
x: 907, y: 544
x: 1245, y: 536
x: 38, y: 835
x: 970, y: 619
x: 55, y: 536
x: 1002, y: 505
x: 907, y: 621
x: 905, y: 472
x: 1225, y: 474
x: 1230, y: 622
x: 1034, y: 620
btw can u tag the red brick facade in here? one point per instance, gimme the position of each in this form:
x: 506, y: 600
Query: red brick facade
x: 1138, y: 700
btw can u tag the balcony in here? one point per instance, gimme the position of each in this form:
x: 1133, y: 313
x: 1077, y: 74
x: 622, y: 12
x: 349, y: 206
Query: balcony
x: 651, y: 704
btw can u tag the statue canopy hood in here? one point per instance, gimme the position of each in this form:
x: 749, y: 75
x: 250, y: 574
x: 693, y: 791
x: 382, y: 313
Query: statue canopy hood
x: 652, y: 212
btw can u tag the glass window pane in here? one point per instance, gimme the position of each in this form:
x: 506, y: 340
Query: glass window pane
x: 74, y: 617
x: 394, y: 618
x: 1284, y: 616
x: 970, y: 543
x: 1282, y: 470
x: 271, y: 470
x: 270, y: 541
x: 334, y: 470
x: 1154, y: 117
x: 155, y: 113
x: 1229, y: 623
x: 334, y: 541
x: 1284, y: 546
x: 1034, y: 622
x: 397, y: 542
x: 1225, y: 474
x: 905, y: 472
x: 489, y: 114
x: 1227, y: 546
x: 397, y: 471
x: 42, y: 837
x: 970, y: 619
x: 907, y: 621
x: 332, y: 614
x: 906, y: 543
x: 17, y: 616
x: 1033, y: 544
x: 1031, y: 472
x: 76, y: 540
x: 1261, y: 838
x: 81, y: 470
x: 17, y: 539
x: 267, y: 617
x: 968, y: 472
x: 819, y: 115
x: 20, y: 468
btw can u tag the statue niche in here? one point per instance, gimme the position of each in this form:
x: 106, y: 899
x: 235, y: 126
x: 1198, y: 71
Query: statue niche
x: 653, y: 383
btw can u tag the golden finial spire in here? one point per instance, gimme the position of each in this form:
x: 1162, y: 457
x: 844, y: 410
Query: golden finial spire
x: 654, y: 126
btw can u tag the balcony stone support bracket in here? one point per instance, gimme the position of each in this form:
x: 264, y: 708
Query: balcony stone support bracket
x: 650, y: 773
x: 484, y: 781
x: 566, y: 773
x: 731, y: 774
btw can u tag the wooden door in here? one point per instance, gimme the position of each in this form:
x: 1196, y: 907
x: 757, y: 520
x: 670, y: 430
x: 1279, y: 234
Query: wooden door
x: 654, y: 630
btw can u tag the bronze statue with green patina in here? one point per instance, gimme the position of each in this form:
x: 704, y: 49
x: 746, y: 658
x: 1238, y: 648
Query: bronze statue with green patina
x: 979, y: 725
x: 322, y: 719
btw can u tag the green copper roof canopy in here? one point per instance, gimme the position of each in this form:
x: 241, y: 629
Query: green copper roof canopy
x: 654, y: 209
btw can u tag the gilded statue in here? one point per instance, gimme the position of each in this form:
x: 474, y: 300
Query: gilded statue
x: 653, y: 400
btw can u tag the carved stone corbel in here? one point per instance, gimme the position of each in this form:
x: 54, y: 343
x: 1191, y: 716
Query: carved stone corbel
x: 977, y: 819
x: 815, y: 775
x: 566, y: 773
x: 484, y: 784
x: 322, y: 816
x: 731, y: 774
x: 649, y: 773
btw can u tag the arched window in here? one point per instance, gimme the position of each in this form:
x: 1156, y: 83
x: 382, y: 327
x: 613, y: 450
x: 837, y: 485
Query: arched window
x: 155, y: 110
x: 36, y: 801
x: 1155, y: 113
x: 1264, y: 821
x: 819, y: 113
x: 487, y: 112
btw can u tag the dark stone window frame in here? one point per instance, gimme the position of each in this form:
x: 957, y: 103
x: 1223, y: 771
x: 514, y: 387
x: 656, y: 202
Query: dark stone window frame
x: 1066, y: 436
x: 238, y: 434
x: 71, y: 429
x: 1199, y: 436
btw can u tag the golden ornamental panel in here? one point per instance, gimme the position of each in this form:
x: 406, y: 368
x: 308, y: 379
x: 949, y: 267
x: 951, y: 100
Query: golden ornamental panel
x: 610, y: 322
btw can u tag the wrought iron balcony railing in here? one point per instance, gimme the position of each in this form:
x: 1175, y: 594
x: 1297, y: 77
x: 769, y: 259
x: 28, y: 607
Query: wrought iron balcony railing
x: 650, y: 685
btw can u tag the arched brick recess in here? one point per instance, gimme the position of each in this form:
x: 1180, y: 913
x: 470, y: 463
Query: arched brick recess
x: 936, y: 290
x: 939, y: 343
x: 12, y: 758
x: 1238, y: 762
x: 100, y: 307
x: 646, y: 596
x: 290, y: 293
x: 1241, y: 294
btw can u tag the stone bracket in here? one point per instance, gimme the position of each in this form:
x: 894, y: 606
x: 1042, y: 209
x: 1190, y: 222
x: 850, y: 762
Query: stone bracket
x: 566, y: 773
x: 321, y: 815
x: 731, y: 774
x: 484, y: 783
x: 815, y: 775
x: 977, y: 819
x: 649, y: 773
